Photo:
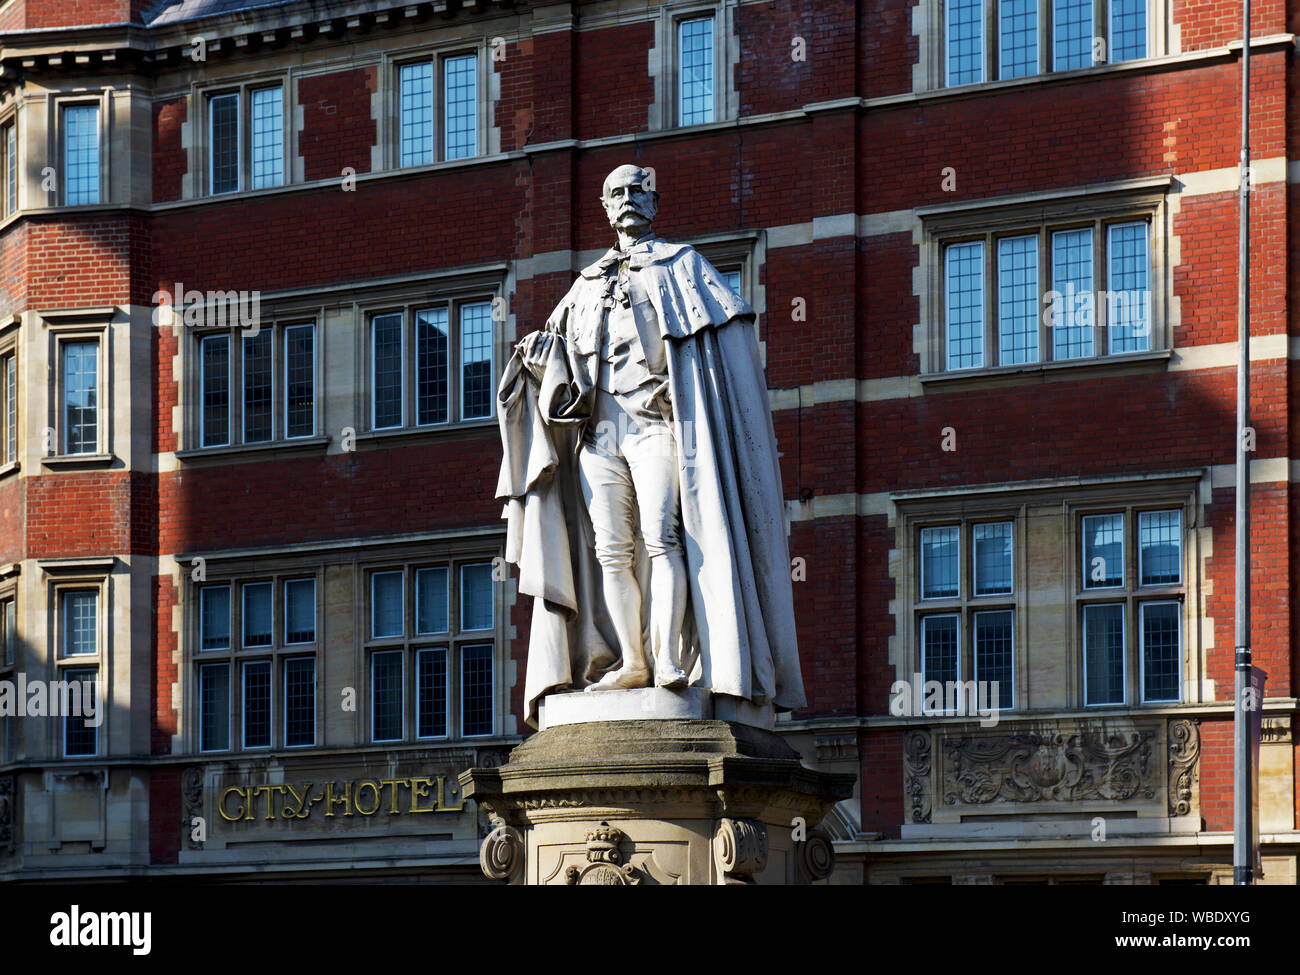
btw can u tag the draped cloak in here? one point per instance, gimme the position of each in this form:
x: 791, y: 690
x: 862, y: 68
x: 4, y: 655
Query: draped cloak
x: 738, y: 638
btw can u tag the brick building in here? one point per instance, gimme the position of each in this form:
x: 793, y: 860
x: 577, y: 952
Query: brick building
x: 263, y: 263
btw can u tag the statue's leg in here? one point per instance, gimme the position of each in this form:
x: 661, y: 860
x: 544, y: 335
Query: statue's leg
x: 607, y: 489
x: 652, y: 459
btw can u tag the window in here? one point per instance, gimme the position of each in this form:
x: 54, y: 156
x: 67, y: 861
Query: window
x: 453, y: 99
x: 246, y: 676
x: 987, y: 40
x: 1019, y: 295
x: 1131, y: 605
x: 9, y: 167
x: 9, y: 638
x: 80, y: 148
x: 1086, y: 584
x: 8, y: 654
x: 8, y: 407
x: 80, y: 736
x: 246, y: 139
x: 257, y: 388
x: 431, y: 364
x: 79, y: 622
x: 418, y: 634
x: 79, y: 377
x: 695, y: 71
x: 965, y: 605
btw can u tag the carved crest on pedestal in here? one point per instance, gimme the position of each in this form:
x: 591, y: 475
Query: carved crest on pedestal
x: 604, y: 861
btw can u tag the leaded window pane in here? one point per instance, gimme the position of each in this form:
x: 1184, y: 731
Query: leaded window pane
x: 940, y: 561
x: 216, y: 390
x: 1072, y: 328
x: 964, y: 273
x: 431, y: 606
x: 1160, y: 547
x: 1161, y: 651
x: 81, y: 154
x: 1018, y: 46
x: 257, y: 614
x: 214, y: 618
x: 416, y: 83
x: 1103, y: 652
x: 300, y: 611
x: 476, y: 359
x: 1018, y: 300
x: 992, y: 543
x: 386, y: 604
x: 268, y: 137
x: 695, y: 81
x: 386, y: 695
x: 300, y: 701
x: 387, y: 351
x: 1128, y: 298
x: 431, y: 693
x: 214, y: 707
x: 300, y: 380
x: 476, y: 689
x: 995, y: 654
x: 432, y: 364
x: 257, y: 387
x: 223, y: 135
x: 1103, y: 551
x: 460, y: 98
x: 476, y: 596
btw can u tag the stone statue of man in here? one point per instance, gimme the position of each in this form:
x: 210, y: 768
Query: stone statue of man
x: 641, y: 480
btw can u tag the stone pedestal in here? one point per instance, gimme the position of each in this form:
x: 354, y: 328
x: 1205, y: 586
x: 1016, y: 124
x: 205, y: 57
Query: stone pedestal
x: 655, y: 801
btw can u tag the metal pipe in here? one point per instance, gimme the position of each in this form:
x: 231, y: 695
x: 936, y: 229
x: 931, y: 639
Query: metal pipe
x: 1243, y: 811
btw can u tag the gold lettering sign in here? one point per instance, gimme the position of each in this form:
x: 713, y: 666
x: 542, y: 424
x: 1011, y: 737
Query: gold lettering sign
x: 361, y: 797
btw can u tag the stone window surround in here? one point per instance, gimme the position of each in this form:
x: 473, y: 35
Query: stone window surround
x: 389, y: 83
x: 277, y: 572
x: 201, y: 93
x: 8, y: 117
x: 63, y: 576
x: 942, y: 224
x: 452, y: 292
x: 929, y: 27
x: 62, y: 327
x: 1076, y: 497
x: 55, y: 104
x: 9, y: 346
x: 276, y: 320
x: 410, y: 643
x: 665, y: 61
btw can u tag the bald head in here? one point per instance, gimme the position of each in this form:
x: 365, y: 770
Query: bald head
x: 630, y: 200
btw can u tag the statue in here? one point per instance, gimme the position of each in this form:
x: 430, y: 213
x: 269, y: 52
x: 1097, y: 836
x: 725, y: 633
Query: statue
x: 640, y: 479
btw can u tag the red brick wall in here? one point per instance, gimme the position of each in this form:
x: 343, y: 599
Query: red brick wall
x: 165, y: 824
x: 611, y: 81
x: 72, y: 13
x: 881, y: 758
x: 1216, y: 771
x: 13, y: 506
x: 337, y: 130
x: 170, y: 161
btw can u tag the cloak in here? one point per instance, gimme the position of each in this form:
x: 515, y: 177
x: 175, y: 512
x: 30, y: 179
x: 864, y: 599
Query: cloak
x: 738, y: 638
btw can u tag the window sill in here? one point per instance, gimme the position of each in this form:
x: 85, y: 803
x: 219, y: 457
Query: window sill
x: 78, y: 460
x: 1068, y: 370
x: 468, y: 429
x: 286, y: 447
x: 10, y: 468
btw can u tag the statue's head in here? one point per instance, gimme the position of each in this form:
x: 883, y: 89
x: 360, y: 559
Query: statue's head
x: 630, y: 199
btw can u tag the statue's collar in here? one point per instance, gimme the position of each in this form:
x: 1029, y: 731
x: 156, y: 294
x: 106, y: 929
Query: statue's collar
x: 651, y: 250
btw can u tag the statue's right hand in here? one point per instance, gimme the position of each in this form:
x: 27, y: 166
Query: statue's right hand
x: 535, y: 347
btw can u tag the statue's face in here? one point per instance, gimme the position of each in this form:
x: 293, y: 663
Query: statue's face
x: 628, y: 204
